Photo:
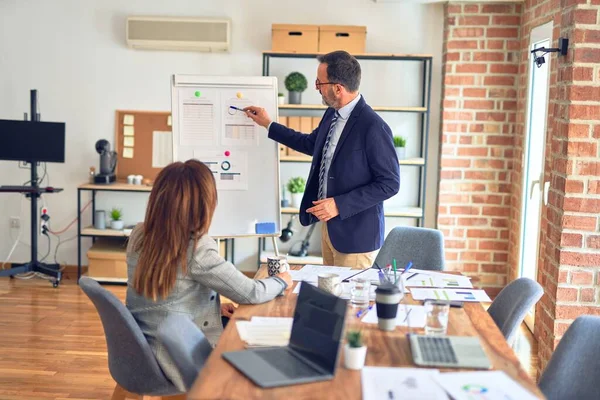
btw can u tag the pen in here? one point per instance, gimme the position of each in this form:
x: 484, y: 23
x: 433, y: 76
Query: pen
x: 407, y: 314
x: 364, y: 310
x: 394, y: 264
x: 350, y: 277
x: 239, y: 109
x: 408, y: 266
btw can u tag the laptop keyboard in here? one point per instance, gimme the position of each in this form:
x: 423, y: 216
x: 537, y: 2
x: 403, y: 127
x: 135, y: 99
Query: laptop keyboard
x: 437, y: 350
x: 287, y: 364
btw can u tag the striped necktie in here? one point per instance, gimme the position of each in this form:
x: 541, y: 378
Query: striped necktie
x: 323, y: 158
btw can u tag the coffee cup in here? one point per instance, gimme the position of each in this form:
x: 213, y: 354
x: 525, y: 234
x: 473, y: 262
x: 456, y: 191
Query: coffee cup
x: 387, y: 298
x: 277, y: 264
x: 130, y: 179
x: 331, y: 283
x: 137, y: 180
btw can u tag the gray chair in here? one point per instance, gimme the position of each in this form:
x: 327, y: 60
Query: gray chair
x: 423, y: 246
x: 574, y: 368
x: 186, y: 344
x: 131, y: 362
x: 509, y: 308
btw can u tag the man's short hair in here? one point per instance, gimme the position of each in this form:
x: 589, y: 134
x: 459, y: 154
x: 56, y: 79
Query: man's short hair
x: 342, y: 68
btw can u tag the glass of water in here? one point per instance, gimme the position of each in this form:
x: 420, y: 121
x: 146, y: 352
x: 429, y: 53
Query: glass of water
x: 360, y: 290
x: 436, y: 312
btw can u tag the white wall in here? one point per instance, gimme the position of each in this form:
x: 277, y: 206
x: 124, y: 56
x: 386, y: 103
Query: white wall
x: 74, y: 53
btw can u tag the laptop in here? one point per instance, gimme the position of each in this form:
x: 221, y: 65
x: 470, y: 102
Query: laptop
x: 313, y: 351
x: 448, y: 352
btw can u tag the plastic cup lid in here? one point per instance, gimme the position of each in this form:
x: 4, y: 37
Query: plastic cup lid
x: 387, y: 288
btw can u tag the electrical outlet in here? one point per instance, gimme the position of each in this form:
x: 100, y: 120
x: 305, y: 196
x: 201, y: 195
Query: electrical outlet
x: 44, y: 217
x: 15, y: 222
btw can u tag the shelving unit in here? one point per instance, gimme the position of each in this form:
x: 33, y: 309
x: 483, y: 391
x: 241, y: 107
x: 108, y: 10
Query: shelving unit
x: 423, y: 110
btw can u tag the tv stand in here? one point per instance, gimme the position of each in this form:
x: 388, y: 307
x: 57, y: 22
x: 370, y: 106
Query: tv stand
x: 33, y: 191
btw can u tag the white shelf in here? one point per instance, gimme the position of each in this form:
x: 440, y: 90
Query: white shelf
x: 310, y: 259
x: 91, y: 231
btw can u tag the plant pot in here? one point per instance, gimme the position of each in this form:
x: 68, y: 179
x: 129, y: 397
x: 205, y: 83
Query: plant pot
x: 401, y: 153
x: 295, y: 97
x: 280, y: 100
x: 116, y: 225
x: 297, y: 199
x: 354, y: 357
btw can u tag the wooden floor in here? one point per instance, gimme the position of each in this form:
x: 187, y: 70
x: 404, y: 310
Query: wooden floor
x: 53, y: 345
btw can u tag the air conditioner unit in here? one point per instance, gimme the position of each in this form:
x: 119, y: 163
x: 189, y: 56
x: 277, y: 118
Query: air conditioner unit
x: 173, y: 33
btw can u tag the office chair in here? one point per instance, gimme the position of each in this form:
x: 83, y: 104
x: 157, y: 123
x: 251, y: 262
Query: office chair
x: 423, y: 246
x: 574, y: 368
x: 131, y: 362
x: 509, y: 308
x: 186, y: 344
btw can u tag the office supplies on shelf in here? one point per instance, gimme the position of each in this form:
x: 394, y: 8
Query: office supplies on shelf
x: 386, y: 383
x: 315, y: 330
x: 471, y: 295
x: 448, y: 351
x: 489, y: 385
x: 409, y: 315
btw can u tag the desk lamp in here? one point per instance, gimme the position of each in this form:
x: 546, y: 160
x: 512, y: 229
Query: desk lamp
x: 108, y: 162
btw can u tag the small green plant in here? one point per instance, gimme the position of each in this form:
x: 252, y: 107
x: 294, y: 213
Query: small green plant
x: 280, y: 94
x: 296, y: 82
x: 354, y: 339
x: 399, y: 141
x: 296, y: 185
x: 116, y: 214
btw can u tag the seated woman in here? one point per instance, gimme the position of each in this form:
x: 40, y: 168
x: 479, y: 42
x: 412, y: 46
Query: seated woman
x: 173, y: 266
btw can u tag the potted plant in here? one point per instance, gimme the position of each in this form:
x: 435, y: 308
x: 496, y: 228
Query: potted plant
x: 355, y: 351
x: 296, y: 188
x: 115, y: 219
x: 295, y: 83
x: 280, y: 98
x: 400, y: 145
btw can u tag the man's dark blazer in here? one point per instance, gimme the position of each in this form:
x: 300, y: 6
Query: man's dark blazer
x: 364, y: 172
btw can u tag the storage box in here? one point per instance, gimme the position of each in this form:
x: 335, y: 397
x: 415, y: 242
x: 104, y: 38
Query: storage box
x: 107, y: 260
x: 295, y: 38
x: 340, y: 37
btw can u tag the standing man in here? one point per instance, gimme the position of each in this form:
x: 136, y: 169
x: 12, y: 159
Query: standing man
x: 354, y: 167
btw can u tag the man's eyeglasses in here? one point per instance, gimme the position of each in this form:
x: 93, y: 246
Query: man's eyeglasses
x: 318, y: 84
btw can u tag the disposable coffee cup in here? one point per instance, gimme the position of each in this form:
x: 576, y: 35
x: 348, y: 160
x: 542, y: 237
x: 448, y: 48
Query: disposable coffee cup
x: 387, y: 298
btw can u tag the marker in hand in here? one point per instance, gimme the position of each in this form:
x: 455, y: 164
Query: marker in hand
x: 239, y: 109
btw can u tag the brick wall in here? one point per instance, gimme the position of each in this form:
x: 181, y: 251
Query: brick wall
x: 486, y: 72
x: 480, y: 64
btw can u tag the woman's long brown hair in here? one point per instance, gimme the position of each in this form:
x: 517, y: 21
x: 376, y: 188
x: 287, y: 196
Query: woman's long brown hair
x: 180, y: 209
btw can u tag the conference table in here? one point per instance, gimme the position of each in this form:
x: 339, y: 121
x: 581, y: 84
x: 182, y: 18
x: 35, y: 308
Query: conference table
x: 219, y: 380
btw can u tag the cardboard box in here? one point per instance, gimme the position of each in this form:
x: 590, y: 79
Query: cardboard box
x: 295, y: 38
x: 341, y: 37
x: 107, y: 259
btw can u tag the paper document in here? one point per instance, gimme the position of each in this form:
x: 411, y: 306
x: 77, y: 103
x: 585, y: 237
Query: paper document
x: 382, y: 383
x: 265, y: 331
x: 310, y: 272
x: 415, y: 319
x: 162, y: 149
x: 470, y: 295
x: 239, y: 129
x: 230, y: 169
x: 483, y: 385
x: 418, y: 279
x: 197, y: 122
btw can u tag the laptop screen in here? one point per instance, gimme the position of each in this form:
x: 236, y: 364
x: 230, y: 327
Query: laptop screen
x: 318, y: 326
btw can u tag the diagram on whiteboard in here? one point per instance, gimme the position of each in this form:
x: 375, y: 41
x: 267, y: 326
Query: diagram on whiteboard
x: 230, y: 168
x: 197, y: 112
x: 239, y: 129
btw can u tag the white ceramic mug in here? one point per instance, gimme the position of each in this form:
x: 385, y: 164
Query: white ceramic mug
x: 137, y: 180
x: 130, y: 179
x: 331, y: 283
x: 277, y: 264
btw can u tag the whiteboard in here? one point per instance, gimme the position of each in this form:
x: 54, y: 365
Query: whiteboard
x: 244, y: 161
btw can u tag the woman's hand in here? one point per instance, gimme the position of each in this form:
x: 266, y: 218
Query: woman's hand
x: 227, y: 310
x: 287, y: 278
